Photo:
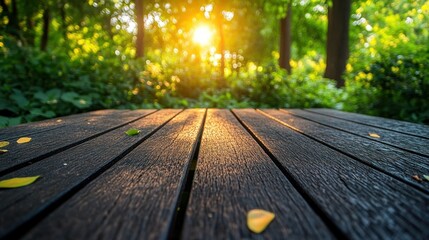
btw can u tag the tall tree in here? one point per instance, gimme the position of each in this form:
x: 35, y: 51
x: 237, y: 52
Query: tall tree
x: 45, y: 29
x: 139, y: 8
x: 11, y: 12
x: 219, y: 23
x: 286, y: 39
x: 337, y: 49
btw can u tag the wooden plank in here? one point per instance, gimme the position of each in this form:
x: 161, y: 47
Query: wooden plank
x: 21, y: 130
x: 67, y: 172
x: 233, y: 176
x: 388, y: 124
x: 395, y: 162
x: 409, y: 143
x: 137, y: 197
x: 362, y: 202
x: 45, y: 144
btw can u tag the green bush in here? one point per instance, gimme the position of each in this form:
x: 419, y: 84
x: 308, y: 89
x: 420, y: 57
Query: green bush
x: 396, y: 86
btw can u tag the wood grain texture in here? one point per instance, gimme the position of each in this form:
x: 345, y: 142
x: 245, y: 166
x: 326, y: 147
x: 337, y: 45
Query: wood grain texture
x: 65, y: 172
x: 21, y: 130
x: 407, y: 142
x: 71, y: 132
x: 136, y: 198
x: 388, y: 159
x: 390, y: 124
x: 362, y: 202
x: 233, y: 176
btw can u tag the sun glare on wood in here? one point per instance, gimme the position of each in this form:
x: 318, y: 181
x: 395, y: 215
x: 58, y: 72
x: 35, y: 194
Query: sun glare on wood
x: 202, y: 35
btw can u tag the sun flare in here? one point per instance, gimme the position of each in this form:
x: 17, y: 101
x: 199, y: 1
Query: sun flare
x: 202, y: 35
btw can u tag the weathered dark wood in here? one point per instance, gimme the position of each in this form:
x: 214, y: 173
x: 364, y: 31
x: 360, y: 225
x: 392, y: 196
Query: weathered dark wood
x: 322, y: 176
x: 400, y: 164
x: 362, y: 202
x: 47, y: 143
x: 136, y: 198
x: 14, y: 132
x: 410, y: 143
x: 389, y: 124
x: 233, y: 176
x: 68, y: 171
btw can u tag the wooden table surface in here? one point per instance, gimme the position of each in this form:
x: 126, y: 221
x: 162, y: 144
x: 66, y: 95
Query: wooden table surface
x: 194, y: 174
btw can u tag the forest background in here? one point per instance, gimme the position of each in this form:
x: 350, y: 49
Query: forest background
x: 60, y: 57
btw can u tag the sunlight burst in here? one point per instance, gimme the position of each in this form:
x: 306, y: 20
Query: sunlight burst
x: 202, y: 35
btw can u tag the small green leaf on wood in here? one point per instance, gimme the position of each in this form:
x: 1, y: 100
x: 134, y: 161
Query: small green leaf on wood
x: 132, y: 132
x: 4, y: 144
x: 426, y: 177
x: 18, y: 182
x: 23, y: 140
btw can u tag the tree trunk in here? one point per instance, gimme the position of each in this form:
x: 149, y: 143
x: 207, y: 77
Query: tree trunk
x: 218, y: 7
x: 30, y: 31
x: 12, y: 26
x: 286, y: 39
x: 221, y: 82
x: 140, y: 28
x: 14, y: 22
x: 337, y: 49
x: 45, y: 32
x: 62, y: 8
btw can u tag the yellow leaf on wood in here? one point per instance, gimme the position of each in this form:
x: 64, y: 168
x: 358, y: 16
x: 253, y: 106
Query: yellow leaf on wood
x: 258, y: 220
x: 3, y: 151
x: 4, y: 144
x: 23, y: 140
x: 374, y: 135
x: 18, y: 182
x: 417, y: 178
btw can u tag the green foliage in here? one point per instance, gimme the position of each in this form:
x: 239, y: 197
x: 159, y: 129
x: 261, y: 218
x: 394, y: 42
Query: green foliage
x: 89, y: 63
x: 399, y: 85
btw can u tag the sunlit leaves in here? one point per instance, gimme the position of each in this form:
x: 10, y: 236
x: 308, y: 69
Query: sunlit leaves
x: 18, y: 182
x: 23, y: 140
x: 258, y: 220
x: 4, y: 144
x: 132, y: 132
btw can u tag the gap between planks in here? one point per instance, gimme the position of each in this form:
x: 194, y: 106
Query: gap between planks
x: 176, y: 224
x: 63, y: 148
x: 28, y: 223
x: 347, y: 131
x: 411, y: 184
x: 338, y: 233
x: 366, y: 124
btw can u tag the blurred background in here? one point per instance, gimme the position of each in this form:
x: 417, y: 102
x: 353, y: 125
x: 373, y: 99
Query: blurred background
x: 60, y: 57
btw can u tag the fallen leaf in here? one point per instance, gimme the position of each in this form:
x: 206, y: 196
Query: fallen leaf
x: 4, y: 144
x: 132, y: 132
x: 374, y: 135
x: 258, y: 220
x: 18, y: 182
x: 59, y: 120
x: 417, y: 178
x: 426, y: 177
x: 3, y: 151
x: 23, y: 140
